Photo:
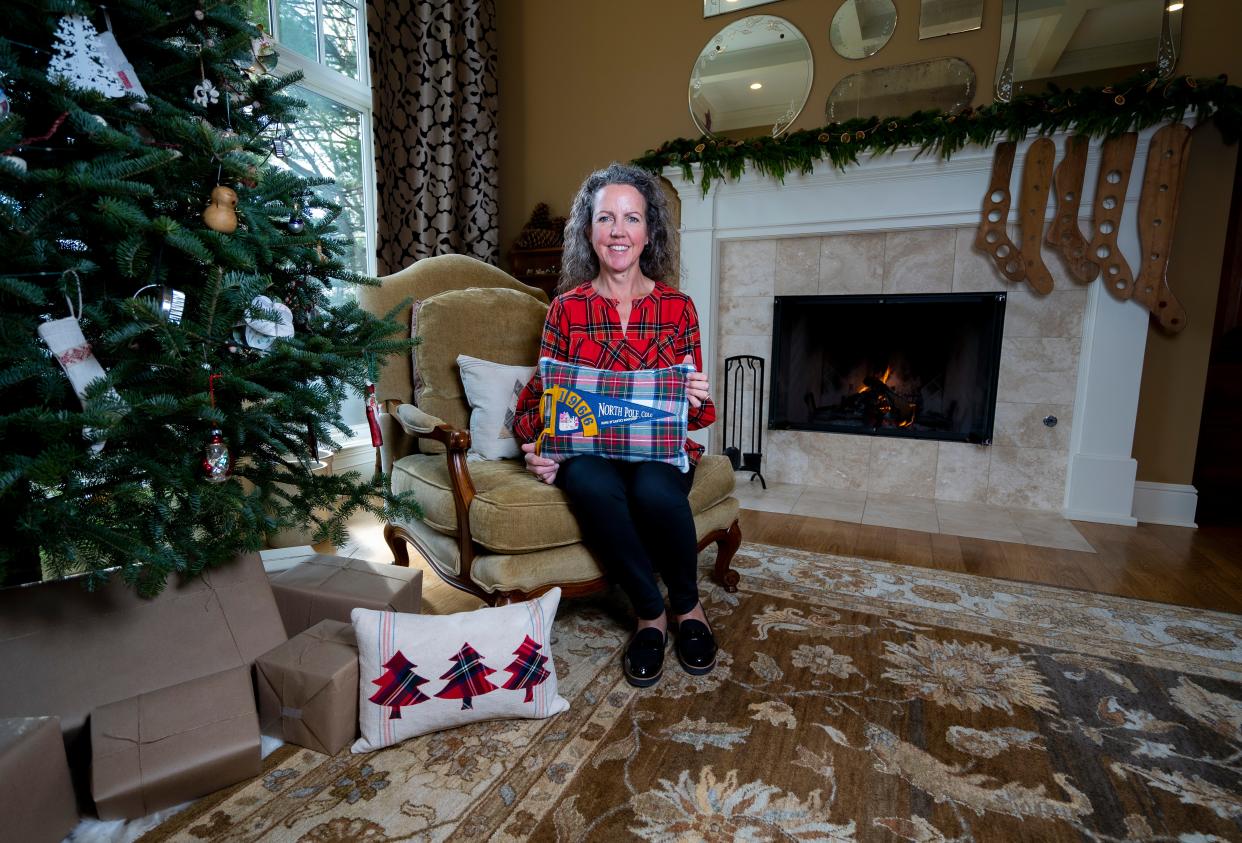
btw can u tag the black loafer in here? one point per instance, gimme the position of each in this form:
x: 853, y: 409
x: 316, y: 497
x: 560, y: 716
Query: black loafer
x: 644, y: 657
x: 696, y: 647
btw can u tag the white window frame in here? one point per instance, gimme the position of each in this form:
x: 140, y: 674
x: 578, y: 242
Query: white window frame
x: 356, y: 94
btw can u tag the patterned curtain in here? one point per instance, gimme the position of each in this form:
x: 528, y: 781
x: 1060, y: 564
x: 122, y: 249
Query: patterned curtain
x: 433, y: 72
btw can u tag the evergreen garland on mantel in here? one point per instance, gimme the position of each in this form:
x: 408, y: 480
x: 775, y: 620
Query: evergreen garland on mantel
x: 1096, y: 112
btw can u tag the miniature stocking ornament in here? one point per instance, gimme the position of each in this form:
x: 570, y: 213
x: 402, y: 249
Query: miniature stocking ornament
x: 65, y: 339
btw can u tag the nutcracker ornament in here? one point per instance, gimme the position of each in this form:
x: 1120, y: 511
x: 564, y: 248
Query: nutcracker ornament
x: 377, y: 435
x: 221, y: 213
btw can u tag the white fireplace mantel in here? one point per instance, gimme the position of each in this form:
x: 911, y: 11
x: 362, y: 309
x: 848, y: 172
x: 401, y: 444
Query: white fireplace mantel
x: 902, y: 191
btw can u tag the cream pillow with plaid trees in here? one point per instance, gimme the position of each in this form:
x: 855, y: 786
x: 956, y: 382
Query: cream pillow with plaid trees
x: 423, y: 673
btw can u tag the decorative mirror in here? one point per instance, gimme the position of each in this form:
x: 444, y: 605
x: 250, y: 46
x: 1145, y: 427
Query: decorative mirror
x: 948, y: 17
x: 942, y: 84
x: 860, y: 28
x: 1084, y: 42
x: 754, y: 74
x: 711, y: 8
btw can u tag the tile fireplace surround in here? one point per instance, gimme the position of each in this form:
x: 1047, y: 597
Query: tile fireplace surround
x: 901, y: 224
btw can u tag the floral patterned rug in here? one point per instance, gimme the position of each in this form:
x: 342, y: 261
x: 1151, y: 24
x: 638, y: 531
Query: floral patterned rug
x: 853, y: 700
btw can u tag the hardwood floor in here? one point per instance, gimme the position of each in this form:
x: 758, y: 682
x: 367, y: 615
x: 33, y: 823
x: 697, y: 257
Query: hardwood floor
x: 1200, y: 568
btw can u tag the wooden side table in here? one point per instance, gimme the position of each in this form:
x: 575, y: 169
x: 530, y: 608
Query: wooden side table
x: 537, y: 267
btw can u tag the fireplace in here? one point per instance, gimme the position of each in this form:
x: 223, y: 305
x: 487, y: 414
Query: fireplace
x: 912, y: 366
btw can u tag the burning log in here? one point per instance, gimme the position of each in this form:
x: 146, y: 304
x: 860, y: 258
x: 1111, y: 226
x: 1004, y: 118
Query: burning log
x: 887, y: 403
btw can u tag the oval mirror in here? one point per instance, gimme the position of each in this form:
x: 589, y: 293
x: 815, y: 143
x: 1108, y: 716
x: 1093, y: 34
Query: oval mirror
x: 754, y: 74
x: 860, y: 28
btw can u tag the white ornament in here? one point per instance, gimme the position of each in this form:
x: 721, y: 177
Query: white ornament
x: 120, y: 66
x: 205, y: 93
x: 262, y: 332
x: 16, y: 163
x: 80, y: 61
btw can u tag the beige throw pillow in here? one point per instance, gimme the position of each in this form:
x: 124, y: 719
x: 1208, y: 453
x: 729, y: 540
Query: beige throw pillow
x: 423, y: 673
x: 492, y: 392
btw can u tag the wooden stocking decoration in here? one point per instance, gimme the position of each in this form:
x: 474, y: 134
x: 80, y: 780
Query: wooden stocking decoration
x: 1036, y: 181
x: 1162, y: 190
x: 1064, y: 233
x: 992, y: 237
x: 1116, y: 158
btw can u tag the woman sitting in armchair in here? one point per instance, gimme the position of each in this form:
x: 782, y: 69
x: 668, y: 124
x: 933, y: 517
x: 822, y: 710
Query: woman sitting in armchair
x: 614, y: 313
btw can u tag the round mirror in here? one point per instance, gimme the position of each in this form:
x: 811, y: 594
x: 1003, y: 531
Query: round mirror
x: 860, y: 28
x: 754, y: 74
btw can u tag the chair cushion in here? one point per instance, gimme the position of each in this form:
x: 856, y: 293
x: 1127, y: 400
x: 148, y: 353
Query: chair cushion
x: 513, y: 512
x: 449, y: 325
x: 565, y: 565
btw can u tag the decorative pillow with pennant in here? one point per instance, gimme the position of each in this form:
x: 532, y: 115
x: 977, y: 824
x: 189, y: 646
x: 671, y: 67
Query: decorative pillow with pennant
x: 636, y: 416
x: 423, y: 673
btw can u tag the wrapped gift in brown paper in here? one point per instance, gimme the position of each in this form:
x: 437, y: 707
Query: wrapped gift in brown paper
x: 308, y: 688
x: 330, y: 587
x: 36, y: 800
x: 165, y: 747
x: 76, y: 650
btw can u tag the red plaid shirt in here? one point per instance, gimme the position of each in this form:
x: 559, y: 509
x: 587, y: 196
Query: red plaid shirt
x: 583, y: 327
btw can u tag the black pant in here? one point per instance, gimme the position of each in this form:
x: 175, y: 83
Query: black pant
x: 636, y: 518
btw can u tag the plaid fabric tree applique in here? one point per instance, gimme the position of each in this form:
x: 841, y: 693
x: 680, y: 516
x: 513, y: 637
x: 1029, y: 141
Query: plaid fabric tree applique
x: 398, y: 686
x: 467, y: 678
x: 527, y: 669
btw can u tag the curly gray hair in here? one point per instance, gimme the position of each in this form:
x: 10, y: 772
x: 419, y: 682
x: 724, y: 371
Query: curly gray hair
x: 578, y: 260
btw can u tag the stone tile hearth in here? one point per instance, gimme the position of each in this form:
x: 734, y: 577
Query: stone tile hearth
x: 970, y: 520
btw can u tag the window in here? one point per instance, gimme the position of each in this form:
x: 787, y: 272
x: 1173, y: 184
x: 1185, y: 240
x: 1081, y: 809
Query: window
x: 327, y: 41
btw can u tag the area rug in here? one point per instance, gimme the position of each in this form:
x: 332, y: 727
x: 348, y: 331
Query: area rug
x: 853, y: 700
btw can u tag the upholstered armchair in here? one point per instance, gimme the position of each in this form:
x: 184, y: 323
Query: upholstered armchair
x: 489, y: 527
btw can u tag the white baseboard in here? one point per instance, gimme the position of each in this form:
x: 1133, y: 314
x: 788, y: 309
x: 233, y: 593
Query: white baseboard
x: 1099, y: 517
x: 1165, y: 503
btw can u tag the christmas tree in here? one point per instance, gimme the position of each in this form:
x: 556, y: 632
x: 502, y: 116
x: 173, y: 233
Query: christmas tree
x: 467, y: 678
x: 528, y: 668
x: 172, y: 353
x: 398, y: 686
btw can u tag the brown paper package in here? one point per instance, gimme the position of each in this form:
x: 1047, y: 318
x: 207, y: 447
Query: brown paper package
x: 40, y: 808
x: 76, y: 650
x: 308, y: 688
x: 165, y: 747
x: 330, y: 587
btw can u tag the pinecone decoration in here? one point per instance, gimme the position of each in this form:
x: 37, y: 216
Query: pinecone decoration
x: 542, y: 230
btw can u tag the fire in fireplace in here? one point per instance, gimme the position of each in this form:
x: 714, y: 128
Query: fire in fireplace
x: 918, y: 366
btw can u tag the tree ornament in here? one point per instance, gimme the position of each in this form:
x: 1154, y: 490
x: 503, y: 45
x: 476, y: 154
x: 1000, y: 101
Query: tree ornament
x: 65, y: 340
x: 12, y: 161
x: 296, y: 223
x: 221, y: 213
x: 261, y: 331
x: 217, y: 461
x: 205, y: 93
x: 170, y: 302
x: 117, y: 64
x: 377, y: 435
x: 79, y: 61
x: 4, y: 98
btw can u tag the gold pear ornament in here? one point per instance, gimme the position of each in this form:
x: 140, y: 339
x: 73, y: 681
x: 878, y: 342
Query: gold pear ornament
x: 221, y: 213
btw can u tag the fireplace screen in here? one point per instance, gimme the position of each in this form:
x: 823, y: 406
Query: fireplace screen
x: 918, y: 366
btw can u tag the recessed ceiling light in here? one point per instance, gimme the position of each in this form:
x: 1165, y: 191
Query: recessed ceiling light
x: 1175, y: 6
x: 754, y: 86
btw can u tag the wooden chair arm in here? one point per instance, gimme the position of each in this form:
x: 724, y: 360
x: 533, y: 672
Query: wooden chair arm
x: 456, y: 444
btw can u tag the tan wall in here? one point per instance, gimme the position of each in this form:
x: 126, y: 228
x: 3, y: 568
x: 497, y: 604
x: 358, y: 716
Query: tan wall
x: 583, y: 83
